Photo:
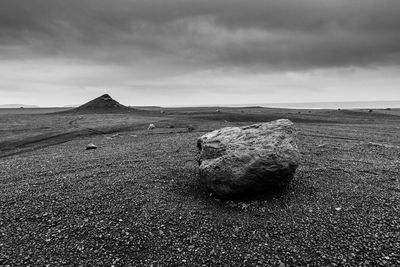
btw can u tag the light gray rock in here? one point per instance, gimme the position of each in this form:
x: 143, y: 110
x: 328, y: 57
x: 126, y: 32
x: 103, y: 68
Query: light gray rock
x: 151, y: 126
x: 249, y: 159
x: 91, y: 146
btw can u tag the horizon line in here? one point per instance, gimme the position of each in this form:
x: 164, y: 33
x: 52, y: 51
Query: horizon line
x: 397, y: 102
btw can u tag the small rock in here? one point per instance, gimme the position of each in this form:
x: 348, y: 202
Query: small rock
x: 190, y: 128
x: 91, y: 146
x: 151, y: 126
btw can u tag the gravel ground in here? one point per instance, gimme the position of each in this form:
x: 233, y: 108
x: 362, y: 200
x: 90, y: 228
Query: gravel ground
x: 136, y: 201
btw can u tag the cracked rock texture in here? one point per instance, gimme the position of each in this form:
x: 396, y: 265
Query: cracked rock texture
x: 249, y: 159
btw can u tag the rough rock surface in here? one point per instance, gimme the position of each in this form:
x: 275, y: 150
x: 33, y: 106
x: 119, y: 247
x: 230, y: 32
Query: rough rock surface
x: 249, y: 159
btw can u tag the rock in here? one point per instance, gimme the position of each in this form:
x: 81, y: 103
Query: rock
x: 249, y: 159
x: 91, y: 146
x: 151, y: 126
x: 190, y: 128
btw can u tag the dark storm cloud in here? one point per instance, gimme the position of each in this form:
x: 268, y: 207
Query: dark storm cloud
x: 204, y: 34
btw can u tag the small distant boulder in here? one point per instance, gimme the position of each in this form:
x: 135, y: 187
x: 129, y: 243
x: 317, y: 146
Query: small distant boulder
x: 91, y: 146
x: 250, y: 159
x: 151, y: 126
x: 190, y: 128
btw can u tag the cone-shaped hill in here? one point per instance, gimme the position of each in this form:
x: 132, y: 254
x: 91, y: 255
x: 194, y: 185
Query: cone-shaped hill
x: 102, y: 104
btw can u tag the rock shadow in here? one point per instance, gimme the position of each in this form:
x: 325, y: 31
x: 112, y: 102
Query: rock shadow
x: 187, y: 183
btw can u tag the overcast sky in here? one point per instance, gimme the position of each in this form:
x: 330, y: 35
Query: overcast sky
x: 199, y: 52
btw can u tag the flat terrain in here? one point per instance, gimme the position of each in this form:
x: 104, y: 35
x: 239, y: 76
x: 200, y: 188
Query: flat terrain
x: 136, y: 200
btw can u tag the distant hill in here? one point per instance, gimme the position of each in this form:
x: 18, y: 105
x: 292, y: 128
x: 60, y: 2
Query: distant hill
x: 70, y: 106
x: 335, y: 105
x: 18, y: 106
x: 101, y: 104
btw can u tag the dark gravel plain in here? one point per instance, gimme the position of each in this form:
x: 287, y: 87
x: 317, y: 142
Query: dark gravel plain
x: 136, y: 201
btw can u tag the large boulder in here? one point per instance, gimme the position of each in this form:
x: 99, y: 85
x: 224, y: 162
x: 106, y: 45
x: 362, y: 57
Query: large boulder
x: 250, y: 159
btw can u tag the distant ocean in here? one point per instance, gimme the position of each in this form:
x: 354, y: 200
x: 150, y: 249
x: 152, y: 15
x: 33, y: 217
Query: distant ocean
x: 332, y: 105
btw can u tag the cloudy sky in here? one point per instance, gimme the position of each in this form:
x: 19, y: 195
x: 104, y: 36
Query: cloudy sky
x: 199, y: 52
